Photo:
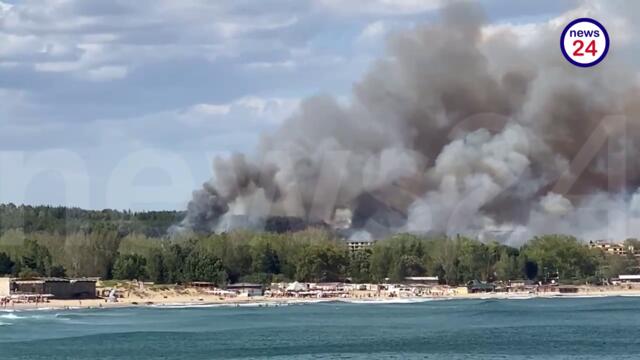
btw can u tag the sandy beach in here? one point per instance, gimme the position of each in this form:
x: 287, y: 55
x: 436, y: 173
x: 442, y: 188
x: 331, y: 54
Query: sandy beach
x: 193, y: 298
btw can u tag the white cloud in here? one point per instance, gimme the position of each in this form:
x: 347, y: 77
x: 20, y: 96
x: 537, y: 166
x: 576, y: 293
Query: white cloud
x: 231, y: 29
x: 95, y: 63
x: 269, y: 65
x: 380, y: 7
x: 211, y: 109
x: 62, y: 66
x: 87, y: 72
x: 272, y: 110
x: 616, y: 17
x: 15, y: 45
x: 246, y: 111
x: 104, y: 41
x: 374, y: 31
x: 296, y: 60
x: 525, y: 34
x: 4, y: 7
x: 105, y: 73
x: 235, y: 125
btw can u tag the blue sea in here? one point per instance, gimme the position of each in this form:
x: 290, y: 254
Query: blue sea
x: 578, y: 328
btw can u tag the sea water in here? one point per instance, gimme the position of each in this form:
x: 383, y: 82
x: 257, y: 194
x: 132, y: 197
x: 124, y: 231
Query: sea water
x: 579, y: 328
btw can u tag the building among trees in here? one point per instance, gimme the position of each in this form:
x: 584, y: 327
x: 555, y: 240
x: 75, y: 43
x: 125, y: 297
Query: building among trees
x: 622, y: 249
x: 358, y: 245
x: 246, y: 289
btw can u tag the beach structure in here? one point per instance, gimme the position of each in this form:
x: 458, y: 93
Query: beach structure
x: 246, y: 289
x: 422, y: 280
x: 359, y: 245
x: 202, y: 284
x: 418, y: 280
x: 329, y: 289
x: 476, y: 286
x: 57, y: 288
x: 627, y: 279
x: 568, y: 289
x: 460, y: 290
x: 5, y: 286
x: 313, y: 290
x: 547, y: 288
x: 297, y: 287
x: 374, y: 287
x: 328, y: 286
x: 277, y: 289
x: 222, y: 292
x: 520, y: 285
x: 399, y: 290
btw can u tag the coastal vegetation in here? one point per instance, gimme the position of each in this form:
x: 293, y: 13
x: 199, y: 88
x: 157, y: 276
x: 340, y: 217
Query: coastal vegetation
x: 47, y: 241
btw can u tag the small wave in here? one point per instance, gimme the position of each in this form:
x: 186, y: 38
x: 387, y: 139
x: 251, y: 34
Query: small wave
x: 61, y: 316
x: 575, y: 296
x: 268, y: 304
x: 184, y: 306
x: 307, y: 301
x: 225, y: 305
x: 11, y: 316
x: 5, y: 323
x: 71, y: 315
x: 523, y: 297
x: 390, y: 301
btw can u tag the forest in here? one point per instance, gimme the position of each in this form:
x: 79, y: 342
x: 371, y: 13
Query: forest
x: 58, y: 242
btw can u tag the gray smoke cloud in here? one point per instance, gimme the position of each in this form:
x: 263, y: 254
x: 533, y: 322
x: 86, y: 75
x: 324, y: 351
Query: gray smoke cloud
x: 463, y: 127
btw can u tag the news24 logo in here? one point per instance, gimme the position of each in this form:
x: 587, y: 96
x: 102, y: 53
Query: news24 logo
x: 584, y: 42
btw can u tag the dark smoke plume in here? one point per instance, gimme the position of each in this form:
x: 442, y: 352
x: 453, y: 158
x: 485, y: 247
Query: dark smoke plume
x: 464, y: 127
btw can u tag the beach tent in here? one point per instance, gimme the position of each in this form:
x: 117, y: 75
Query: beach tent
x: 296, y: 286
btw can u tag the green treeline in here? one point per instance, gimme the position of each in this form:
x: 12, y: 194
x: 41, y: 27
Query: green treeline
x: 102, y: 248
x: 63, y: 220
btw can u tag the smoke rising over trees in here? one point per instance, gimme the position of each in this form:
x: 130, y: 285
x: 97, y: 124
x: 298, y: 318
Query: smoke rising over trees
x: 463, y: 127
x: 463, y: 131
x: 107, y: 248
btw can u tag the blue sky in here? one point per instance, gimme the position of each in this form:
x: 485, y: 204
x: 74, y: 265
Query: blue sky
x: 124, y: 104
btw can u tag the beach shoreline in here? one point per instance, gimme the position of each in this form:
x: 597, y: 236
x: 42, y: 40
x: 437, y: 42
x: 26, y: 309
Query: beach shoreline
x: 216, y: 301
